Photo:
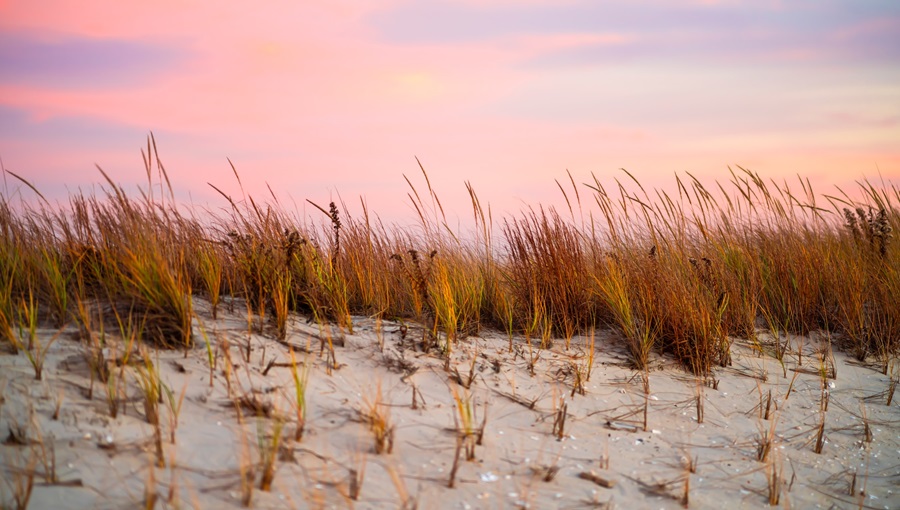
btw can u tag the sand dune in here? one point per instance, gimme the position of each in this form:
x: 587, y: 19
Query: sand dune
x: 600, y: 456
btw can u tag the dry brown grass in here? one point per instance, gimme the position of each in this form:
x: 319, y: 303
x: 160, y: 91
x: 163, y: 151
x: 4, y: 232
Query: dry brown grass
x: 681, y: 274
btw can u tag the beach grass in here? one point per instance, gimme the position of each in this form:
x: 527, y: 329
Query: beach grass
x: 680, y: 274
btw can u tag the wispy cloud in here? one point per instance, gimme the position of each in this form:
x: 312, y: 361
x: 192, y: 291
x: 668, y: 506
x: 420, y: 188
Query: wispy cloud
x: 82, y: 62
x: 700, y: 31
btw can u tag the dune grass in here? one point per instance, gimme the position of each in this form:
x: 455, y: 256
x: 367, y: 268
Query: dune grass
x: 680, y: 274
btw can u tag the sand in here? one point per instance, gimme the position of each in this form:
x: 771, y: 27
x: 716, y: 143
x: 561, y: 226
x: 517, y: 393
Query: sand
x: 602, y: 458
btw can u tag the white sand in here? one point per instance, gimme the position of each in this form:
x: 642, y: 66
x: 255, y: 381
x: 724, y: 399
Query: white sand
x: 110, y: 463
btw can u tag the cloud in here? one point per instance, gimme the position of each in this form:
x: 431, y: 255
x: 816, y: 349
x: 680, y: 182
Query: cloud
x: 455, y: 22
x: 18, y: 124
x: 712, y: 31
x: 82, y: 62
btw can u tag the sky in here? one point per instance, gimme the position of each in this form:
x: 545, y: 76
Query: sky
x: 335, y: 99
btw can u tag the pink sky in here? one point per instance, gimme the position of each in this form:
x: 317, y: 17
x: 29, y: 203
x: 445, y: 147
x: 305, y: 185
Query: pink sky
x: 317, y: 98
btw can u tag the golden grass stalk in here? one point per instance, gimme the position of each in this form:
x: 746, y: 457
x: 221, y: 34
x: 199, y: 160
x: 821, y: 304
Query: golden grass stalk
x: 377, y: 417
x: 559, y: 419
x: 469, y: 433
x: 173, y: 404
x: 301, y: 379
x: 151, y: 386
x: 269, y: 444
x: 774, y: 479
x: 210, y: 353
x: 211, y: 271
x: 27, y: 323
x: 34, y: 350
x: 766, y: 440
